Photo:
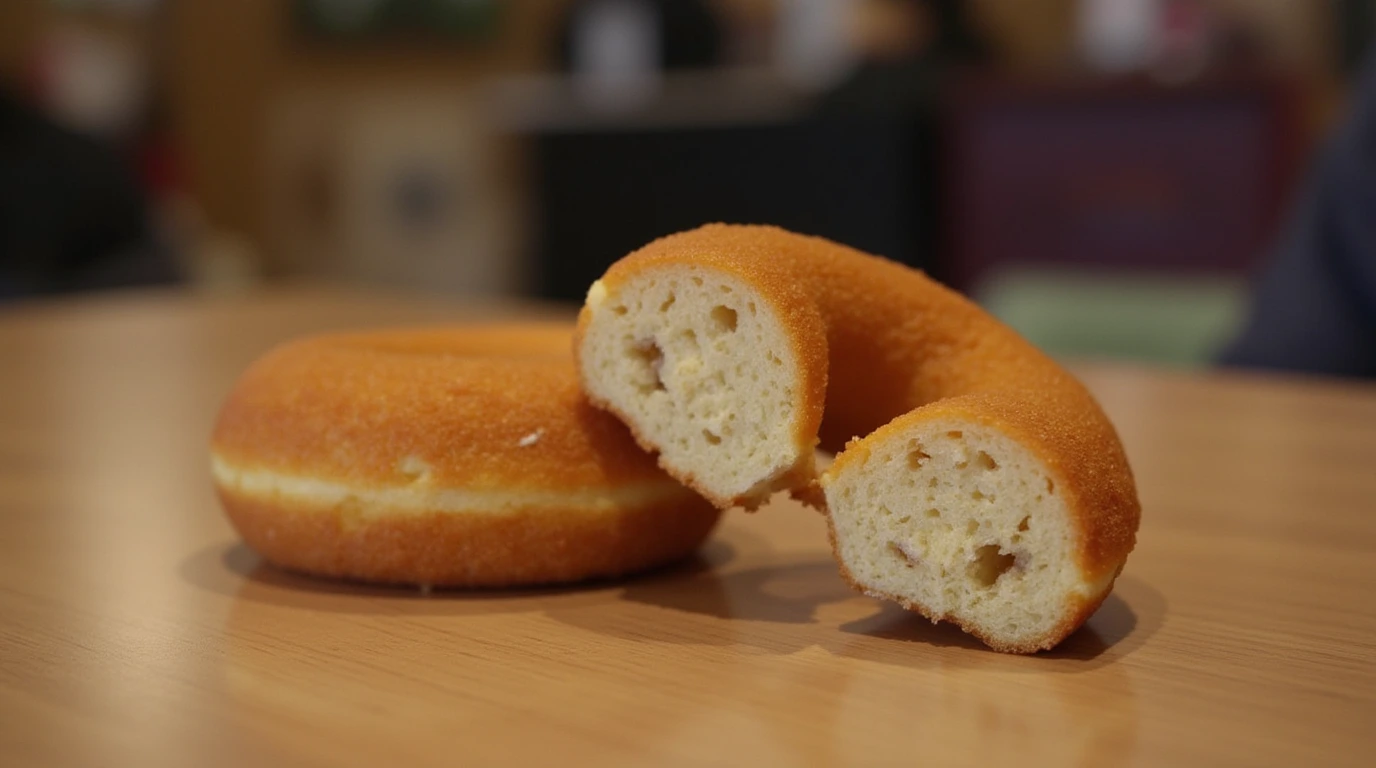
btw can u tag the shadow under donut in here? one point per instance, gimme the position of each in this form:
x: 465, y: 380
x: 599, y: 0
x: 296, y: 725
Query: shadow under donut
x: 788, y: 604
x: 788, y: 630
x: 234, y: 570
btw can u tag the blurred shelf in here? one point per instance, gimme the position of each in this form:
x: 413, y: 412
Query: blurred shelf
x: 732, y: 96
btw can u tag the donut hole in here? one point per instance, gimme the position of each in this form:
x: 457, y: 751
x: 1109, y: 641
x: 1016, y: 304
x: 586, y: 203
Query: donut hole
x: 990, y: 564
x: 689, y: 339
x: 902, y: 554
x: 916, y: 456
x: 650, y: 358
x: 723, y: 319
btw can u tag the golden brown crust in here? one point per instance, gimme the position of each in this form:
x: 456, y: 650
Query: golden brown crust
x: 351, y: 407
x: 881, y: 342
x: 483, y: 409
x: 524, y: 547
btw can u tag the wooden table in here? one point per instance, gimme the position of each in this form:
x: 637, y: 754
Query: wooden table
x: 135, y: 630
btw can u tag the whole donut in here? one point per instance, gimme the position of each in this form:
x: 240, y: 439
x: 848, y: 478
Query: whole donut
x: 446, y: 457
x: 983, y: 486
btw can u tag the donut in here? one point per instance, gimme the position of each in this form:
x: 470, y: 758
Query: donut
x: 462, y: 457
x: 975, y: 480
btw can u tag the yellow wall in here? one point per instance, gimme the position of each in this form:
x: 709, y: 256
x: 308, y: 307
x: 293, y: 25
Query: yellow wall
x: 19, y: 24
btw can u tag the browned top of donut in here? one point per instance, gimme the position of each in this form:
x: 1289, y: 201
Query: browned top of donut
x: 481, y: 408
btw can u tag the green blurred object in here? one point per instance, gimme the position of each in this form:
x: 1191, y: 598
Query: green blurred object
x: 1168, y: 321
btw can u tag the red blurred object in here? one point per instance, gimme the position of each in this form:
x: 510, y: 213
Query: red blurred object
x: 160, y: 168
x: 1186, y: 38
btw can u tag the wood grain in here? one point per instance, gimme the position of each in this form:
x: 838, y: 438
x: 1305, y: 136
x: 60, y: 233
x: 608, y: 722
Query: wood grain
x: 135, y: 630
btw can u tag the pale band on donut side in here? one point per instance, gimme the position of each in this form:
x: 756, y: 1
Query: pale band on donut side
x: 976, y: 481
x: 462, y: 457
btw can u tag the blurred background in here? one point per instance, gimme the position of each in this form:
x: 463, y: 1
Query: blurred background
x: 1106, y: 175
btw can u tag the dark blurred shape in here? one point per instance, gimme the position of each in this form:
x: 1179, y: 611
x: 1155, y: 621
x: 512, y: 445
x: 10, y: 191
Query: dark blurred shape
x: 1354, y: 26
x: 410, y: 21
x: 920, y: 43
x: 957, y: 37
x: 72, y: 214
x: 690, y: 36
x: 919, y: 48
x: 857, y: 165
x: 1314, y: 309
x: 605, y: 193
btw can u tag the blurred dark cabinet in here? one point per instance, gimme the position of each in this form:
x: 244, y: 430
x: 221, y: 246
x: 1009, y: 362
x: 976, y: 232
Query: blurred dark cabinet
x: 603, y: 192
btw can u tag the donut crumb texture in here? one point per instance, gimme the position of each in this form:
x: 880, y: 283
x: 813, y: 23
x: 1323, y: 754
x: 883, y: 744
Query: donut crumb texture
x: 703, y: 375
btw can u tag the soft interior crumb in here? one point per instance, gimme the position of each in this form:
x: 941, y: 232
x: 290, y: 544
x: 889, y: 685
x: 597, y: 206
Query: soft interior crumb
x: 697, y: 364
x: 956, y: 518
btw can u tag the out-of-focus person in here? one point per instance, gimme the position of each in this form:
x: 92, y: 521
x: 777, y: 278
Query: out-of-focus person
x: 73, y: 216
x: 906, y: 46
x: 1314, y: 306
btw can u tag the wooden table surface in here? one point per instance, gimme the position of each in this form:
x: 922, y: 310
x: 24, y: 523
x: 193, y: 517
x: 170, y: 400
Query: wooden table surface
x: 135, y: 629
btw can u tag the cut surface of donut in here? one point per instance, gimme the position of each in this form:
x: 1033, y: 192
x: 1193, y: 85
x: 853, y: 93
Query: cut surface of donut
x: 707, y: 375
